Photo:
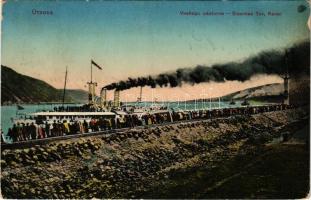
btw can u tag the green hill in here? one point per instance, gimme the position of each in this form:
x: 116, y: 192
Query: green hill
x: 78, y: 95
x: 18, y: 88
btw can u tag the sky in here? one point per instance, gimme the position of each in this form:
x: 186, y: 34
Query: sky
x: 136, y: 38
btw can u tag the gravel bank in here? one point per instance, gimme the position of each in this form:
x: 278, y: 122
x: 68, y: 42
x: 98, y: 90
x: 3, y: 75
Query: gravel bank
x: 131, y: 164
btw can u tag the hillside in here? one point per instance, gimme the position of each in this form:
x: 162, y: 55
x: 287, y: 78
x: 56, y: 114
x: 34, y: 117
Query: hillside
x: 270, y: 92
x: 19, y: 88
x: 264, y: 93
x: 78, y: 95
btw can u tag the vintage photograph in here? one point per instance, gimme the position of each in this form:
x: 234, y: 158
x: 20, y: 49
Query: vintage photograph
x: 155, y: 99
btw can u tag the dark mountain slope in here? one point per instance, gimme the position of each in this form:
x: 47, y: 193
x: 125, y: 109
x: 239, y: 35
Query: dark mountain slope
x: 18, y: 88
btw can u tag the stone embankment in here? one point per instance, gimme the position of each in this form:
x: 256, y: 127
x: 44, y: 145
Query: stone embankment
x: 129, y: 164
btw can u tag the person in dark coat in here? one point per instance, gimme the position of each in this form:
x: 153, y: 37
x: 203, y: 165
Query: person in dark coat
x: 24, y: 131
x: 27, y: 127
x: 54, y: 130
x: 85, y: 126
x: 33, y: 131
x: 14, y: 133
x: 76, y: 127
x: 47, y: 129
x: 10, y: 134
x: 60, y: 129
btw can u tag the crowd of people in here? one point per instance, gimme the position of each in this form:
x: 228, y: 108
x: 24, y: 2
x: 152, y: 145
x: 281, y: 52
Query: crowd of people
x: 32, y: 131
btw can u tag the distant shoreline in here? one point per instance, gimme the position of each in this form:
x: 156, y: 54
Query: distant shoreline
x: 36, y: 103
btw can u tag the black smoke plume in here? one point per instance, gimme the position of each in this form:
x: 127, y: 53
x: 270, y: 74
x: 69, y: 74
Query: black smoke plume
x: 295, y: 60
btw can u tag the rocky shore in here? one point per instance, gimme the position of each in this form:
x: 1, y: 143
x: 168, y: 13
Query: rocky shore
x: 133, y: 163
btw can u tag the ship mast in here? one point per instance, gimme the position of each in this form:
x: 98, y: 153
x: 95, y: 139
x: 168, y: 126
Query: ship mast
x: 286, y: 78
x: 64, y: 92
x: 91, y: 72
x: 92, y: 86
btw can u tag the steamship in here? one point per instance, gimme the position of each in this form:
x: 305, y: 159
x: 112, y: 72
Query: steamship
x: 105, y: 109
x: 94, y: 109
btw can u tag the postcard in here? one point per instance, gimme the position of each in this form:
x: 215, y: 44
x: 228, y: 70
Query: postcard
x: 155, y: 99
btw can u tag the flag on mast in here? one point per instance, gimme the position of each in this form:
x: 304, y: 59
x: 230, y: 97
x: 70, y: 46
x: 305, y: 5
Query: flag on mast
x: 94, y: 63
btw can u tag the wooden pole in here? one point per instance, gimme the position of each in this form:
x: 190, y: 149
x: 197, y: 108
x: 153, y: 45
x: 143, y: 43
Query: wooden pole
x: 91, y: 72
x: 218, y: 102
x: 65, y: 87
x: 141, y: 94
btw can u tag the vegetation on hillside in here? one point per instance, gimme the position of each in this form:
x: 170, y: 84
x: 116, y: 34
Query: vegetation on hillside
x: 19, y: 88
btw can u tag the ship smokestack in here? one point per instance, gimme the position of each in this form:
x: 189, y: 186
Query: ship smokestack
x: 141, y: 94
x: 139, y: 99
x: 92, y: 86
x: 116, y: 99
x: 286, y: 80
x: 286, y: 89
x: 103, y: 98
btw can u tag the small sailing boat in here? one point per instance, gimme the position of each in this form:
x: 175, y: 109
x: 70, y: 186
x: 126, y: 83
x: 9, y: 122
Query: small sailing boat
x: 232, y: 102
x: 245, y: 103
